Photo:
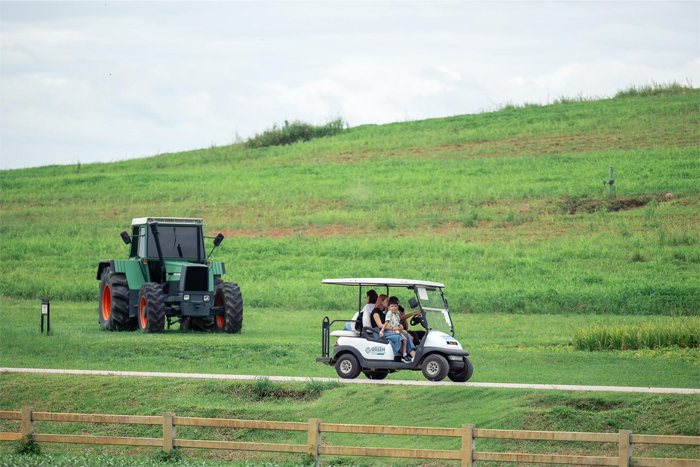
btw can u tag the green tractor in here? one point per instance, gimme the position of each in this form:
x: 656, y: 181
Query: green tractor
x: 167, y: 278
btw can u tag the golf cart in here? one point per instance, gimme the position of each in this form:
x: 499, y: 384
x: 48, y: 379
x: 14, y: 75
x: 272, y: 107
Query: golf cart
x: 438, y: 354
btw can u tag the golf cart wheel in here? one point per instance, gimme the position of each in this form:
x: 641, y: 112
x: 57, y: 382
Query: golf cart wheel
x: 435, y: 367
x: 228, y: 295
x: 151, y: 315
x: 347, y: 366
x: 378, y: 374
x: 113, y: 308
x: 464, y: 374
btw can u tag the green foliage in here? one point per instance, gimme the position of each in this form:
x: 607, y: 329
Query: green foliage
x: 294, y: 132
x: 124, y: 460
x: 172, y: 457
x: 30, y: 447
x: 264, y: 388
x: 679, y: 332
x: 656, y: 89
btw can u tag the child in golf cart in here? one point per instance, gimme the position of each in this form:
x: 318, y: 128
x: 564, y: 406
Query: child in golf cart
x: 393, y: 322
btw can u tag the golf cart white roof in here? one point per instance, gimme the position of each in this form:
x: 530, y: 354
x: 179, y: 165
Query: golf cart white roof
x: 167, y: 220
x: 385, y: 282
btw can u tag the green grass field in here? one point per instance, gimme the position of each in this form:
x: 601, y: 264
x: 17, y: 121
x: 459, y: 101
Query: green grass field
x: 504, y: 348
x: 507, y: 208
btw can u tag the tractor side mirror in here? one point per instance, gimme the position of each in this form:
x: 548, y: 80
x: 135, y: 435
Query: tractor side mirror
x: 219, y: 238
x: 412, y: 302
x: 125, y: 237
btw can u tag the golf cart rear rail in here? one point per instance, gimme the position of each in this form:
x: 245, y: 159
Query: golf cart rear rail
x: 366, y: 333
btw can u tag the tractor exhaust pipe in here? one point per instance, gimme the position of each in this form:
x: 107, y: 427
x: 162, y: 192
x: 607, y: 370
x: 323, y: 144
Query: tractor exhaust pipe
x: 156, y: 237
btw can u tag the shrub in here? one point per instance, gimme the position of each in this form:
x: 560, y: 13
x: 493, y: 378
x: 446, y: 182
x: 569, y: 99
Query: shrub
x: 655, y: 89
x: 30, y: 447
x: 293, y: 132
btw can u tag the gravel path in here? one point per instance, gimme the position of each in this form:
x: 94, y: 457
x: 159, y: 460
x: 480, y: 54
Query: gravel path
x: 395, y: 382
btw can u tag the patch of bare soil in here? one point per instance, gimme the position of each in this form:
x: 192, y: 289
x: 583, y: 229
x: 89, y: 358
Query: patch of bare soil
x: 574, y: 205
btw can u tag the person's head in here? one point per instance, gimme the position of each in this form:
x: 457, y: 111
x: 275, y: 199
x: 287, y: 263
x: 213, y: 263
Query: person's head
x: 393, y: 305
x: 400, y: 308
x: 382, y: 302
x: 371, y: 296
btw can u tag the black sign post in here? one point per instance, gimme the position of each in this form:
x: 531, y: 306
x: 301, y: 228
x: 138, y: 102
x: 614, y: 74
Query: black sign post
x: 45, y: 311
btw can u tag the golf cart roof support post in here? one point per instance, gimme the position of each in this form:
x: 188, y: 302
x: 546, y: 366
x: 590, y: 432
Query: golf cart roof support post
x: 359, y: 302
x: 452, y: 325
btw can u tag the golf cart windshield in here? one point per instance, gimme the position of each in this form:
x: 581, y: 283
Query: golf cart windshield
x: 435, y: 309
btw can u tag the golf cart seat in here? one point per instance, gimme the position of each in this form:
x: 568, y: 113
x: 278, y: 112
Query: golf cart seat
x: 348, y: 333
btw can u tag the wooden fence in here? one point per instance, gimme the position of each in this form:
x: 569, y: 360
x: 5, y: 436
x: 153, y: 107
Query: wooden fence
x: 468, y: 455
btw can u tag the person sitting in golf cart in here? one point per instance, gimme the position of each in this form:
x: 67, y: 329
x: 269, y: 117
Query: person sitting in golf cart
x: 416, y: 336
x: 392, y: 332
x: 394, y: 321
x: 356, y: 323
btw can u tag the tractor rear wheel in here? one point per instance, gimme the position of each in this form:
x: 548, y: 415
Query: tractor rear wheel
x: 228, y: 295
x: 151, y: 315
x: 113, y: 308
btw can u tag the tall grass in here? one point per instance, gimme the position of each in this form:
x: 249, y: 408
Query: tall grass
x: 680, y: 332
x: 655, y: 89
x: 293, y: 132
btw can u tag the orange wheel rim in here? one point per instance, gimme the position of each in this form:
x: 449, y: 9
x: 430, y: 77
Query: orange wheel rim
x: 106, y: 303
x: 142, y: 313
x: 219, y: 321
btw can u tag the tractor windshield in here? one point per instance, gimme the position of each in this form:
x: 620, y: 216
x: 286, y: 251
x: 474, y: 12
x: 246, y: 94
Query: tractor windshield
x: 435, y: 309
x: 177, y: 242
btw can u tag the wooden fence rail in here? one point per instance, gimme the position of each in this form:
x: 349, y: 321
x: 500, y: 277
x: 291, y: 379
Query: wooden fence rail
x: 468, y: 455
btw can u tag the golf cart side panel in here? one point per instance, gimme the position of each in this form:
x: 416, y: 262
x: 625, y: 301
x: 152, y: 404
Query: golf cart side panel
x: 441, y: 340
x: 444, y: 352
x: 339, y: 350
x: 374, y: 351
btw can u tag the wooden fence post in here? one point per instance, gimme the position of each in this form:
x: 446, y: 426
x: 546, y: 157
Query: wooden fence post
x: 625, y: 448
x: 27, y: 424
x: 315, y: 440
x: 468, y: 445
x: 169, y: 431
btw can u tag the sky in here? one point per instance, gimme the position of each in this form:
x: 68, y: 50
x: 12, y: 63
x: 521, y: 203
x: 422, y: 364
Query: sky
x: 102, y: 81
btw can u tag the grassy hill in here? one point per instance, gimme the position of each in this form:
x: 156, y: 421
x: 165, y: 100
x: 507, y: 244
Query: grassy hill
x: 507, y: 208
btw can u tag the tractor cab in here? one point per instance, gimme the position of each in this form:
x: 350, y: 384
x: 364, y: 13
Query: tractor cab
x: 181, y: 241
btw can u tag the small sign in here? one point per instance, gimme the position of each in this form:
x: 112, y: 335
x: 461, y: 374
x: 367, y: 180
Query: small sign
x: 44, y: 309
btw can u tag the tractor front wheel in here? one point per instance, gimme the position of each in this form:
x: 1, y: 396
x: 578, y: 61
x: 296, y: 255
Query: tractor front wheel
x: 228, y: 295
x: 113, y: 308
x: 151, y: 316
